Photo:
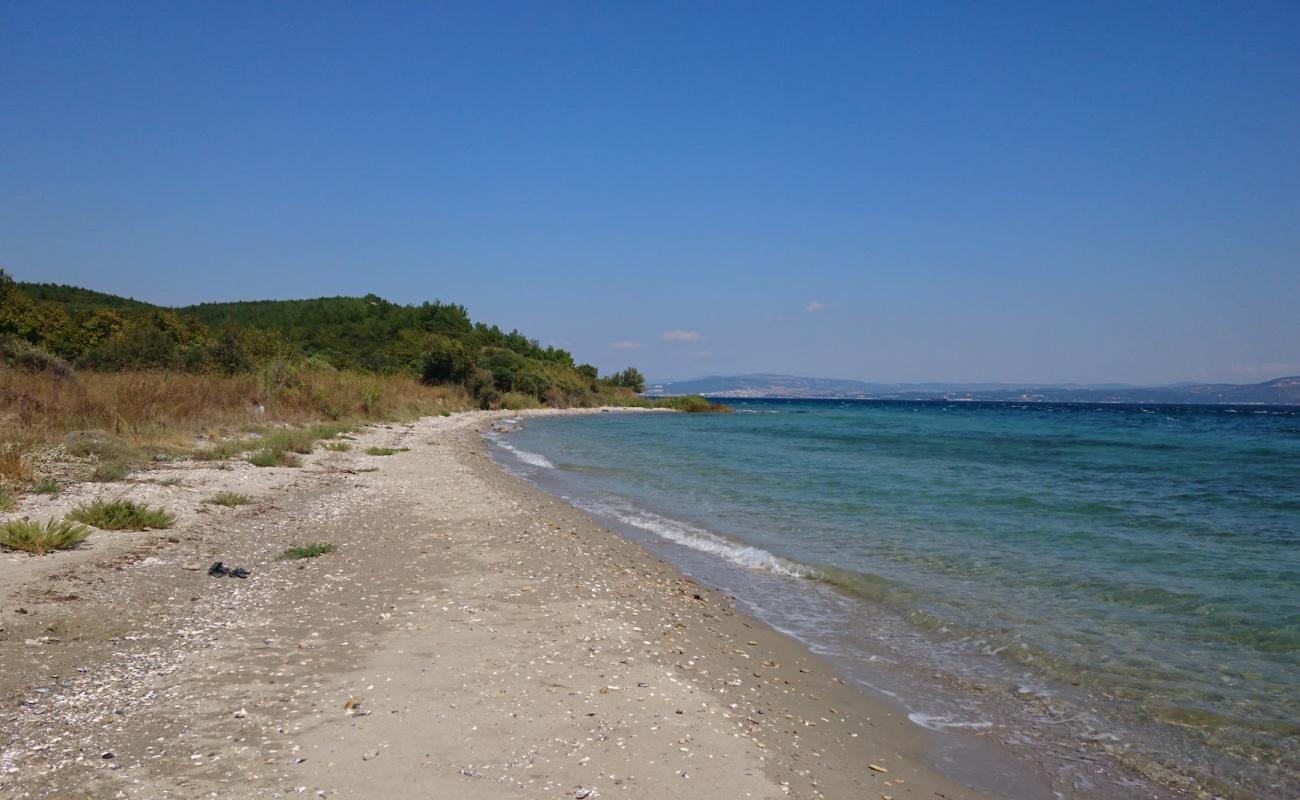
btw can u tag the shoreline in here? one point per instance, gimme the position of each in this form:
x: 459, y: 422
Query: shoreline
x: 486, y: 636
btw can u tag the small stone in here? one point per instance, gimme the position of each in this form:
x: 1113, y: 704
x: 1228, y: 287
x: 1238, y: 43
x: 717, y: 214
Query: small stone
x: 369, y: 755
x: 876, y: 768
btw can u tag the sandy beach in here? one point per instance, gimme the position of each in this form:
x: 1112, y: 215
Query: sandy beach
x: 470, y: 636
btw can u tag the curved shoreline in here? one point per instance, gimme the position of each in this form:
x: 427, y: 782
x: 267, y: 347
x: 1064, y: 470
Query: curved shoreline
x: 469, y: 634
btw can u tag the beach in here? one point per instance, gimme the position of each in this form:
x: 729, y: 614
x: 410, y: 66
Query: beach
x: 470, y: 634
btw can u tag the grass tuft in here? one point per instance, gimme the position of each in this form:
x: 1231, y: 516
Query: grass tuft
x: 47, y: 486
x: 7, y: 499
x: 223, y: 450
x: 122, y: 515
x: 110, y: 471
x: 338, y: 447
x: 171, y: 482
x: 229, y: 499
x: 274, y: 458
x: 381, y: 451
x: 33, y: 537
x: 307, y: 551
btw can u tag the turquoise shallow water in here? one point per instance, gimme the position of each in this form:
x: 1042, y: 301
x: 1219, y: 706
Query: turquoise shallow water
x: 1128, y: 576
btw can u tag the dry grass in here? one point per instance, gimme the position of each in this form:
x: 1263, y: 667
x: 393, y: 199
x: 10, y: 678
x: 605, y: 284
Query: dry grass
x: 168, y: 408
x: 18, y: 448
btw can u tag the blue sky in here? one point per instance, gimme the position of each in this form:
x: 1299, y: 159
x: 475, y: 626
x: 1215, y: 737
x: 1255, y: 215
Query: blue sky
x: 895, y: 191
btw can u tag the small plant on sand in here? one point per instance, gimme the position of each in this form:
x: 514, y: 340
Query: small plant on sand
x: 109, y: 471
x: 170, y: 482
x: 223, y: 450
x: 307, y: 551
x: 366, y: 469
x: 338, y: 447
x: 229, y: 499
x: 121, y: 515
x: 274, y: 458
x: 7, y: 499
x: 33, y: 537
x: 47, y: 486
x: 381, y: 451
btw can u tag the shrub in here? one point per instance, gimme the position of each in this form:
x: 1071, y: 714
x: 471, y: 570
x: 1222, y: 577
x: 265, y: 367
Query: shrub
x: 17, y: 447
x: 298, y: 441
x: 381, y: 451
x: 517, y: 401
x: 120, y: 515
x: 337, y: 447
x: 223, y: 450
x: 28, y: 357
x: 307, y: 551
x: 47, y: 486
x: 274, y: 458
x: 7, y: 499
x: 109, y: 471
x: 229, y: 499
x: 33, y: 537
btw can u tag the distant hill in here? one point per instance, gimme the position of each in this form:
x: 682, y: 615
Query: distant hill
x: 1281, y: 391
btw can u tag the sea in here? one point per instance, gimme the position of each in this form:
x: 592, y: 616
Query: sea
x: 1072, y: 600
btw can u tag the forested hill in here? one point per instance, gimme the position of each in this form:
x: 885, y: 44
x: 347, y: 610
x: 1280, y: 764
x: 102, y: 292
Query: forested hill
x: 438, y: 341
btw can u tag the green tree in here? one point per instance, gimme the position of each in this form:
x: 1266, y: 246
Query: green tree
x: 447, y: 361
x: 630, y: 378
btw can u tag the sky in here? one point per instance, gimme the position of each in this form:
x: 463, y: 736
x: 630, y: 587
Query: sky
x: 895, y: 191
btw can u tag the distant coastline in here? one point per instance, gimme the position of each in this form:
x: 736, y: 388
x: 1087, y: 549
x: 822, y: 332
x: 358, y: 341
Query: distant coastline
x: 1283, y: 391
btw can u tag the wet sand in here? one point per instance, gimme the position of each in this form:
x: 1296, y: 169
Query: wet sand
x: 471, y: 635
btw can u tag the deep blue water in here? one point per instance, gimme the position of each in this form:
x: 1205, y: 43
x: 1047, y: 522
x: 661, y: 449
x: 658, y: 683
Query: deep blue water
x: 1120, y: 580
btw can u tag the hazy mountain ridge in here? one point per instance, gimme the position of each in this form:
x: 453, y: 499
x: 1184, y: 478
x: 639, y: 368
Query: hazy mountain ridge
x: 1280, y: 391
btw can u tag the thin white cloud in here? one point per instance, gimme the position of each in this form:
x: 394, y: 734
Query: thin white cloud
x: 681, y: 336
x: 625, y: 344
x: 813, y: 306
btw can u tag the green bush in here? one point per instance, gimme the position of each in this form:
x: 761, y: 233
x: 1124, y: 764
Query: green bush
x: 119, y: 515
x: 7, y: 499
x: 447, y: 361
x: 381, y: 451
x: 33, y: 537
x: 47, y: 486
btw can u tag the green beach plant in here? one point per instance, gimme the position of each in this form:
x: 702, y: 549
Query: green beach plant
x: 274, y: 458
x: 229, y: 499
x: 118, y: 515
x: 337, y: 447
x: 381, y: 451
x: 33, y: 537
x: 307, y: 551
x: 47, y: 486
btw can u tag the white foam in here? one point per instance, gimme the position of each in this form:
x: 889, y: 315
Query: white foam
x: 703, y: 541
x: 535, y: 459
x: 943, y: 722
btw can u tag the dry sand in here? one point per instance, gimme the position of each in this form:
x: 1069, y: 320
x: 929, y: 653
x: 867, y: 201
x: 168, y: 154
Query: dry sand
x: 471, y: 636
